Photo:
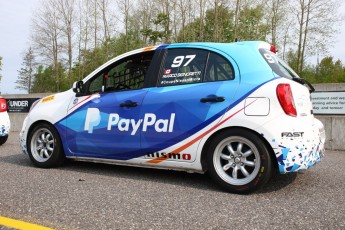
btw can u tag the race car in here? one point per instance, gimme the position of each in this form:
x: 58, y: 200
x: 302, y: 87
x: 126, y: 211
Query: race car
x: 5, y: 123
x: 234, y: 110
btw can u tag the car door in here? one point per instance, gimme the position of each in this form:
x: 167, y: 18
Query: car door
x: 195, y: 88
x: 105, y: 123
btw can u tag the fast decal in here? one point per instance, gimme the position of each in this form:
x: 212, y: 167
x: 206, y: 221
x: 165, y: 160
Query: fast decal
x: 292, y: 134
x: 93, y: 119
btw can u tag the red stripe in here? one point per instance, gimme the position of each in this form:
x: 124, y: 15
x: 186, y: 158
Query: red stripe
x: 80, y: 102
x: 180, y: 149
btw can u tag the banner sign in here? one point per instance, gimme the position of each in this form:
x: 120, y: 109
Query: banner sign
x: 20, y: 105
x: 330, y: 103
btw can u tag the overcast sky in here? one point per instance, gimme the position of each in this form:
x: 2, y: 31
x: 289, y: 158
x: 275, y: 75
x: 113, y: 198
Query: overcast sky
x: 15, y: 23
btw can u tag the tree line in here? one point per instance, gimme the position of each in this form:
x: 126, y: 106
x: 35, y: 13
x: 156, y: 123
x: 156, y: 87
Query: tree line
x: 71, y: 38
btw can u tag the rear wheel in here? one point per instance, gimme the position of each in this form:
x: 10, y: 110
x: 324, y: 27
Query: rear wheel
x: 44, y: 146
x: 239, y: 161
x: 3, y: 139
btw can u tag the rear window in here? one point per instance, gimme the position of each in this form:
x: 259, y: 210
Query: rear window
x: 278, y: 66
x: 218, y: 69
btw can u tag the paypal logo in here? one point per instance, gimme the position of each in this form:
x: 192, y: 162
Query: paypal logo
x: 93, y: 119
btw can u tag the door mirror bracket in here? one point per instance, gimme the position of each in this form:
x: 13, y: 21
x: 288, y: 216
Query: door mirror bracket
x: 78, y: 88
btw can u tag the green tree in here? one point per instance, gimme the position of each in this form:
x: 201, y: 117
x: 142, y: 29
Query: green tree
x: 330, y: 71
x: 222, y: 33
x: 221, y: 16
x: 251, y: 24
x: 161, y: 32
x: 45, y: 83
x: 26, y: 73
x: 191, y: 32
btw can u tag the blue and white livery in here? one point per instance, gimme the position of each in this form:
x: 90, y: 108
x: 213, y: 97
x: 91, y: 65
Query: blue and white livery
x: 233, y: 109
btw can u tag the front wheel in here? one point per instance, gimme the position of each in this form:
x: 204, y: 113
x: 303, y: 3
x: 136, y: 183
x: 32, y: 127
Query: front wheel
x: 44, y: 146
x: 238, y: 161
x: 3, y: 139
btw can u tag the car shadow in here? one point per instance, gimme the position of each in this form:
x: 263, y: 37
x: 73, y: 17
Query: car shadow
x: 278, y: 181
x: 180, y: 178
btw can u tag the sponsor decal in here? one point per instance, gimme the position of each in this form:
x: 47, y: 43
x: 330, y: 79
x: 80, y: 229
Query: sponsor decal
x: 49, y: 98
x: 181, y: 78
x: 19, y: 105
x: 292, y: 134
x: 93, y: 119
x: 187, y: 74
x: 170, y: 156
x: 167, y: 71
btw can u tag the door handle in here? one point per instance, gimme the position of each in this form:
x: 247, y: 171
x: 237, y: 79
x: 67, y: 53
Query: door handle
x: 212, y: 99
x: 128, y: 104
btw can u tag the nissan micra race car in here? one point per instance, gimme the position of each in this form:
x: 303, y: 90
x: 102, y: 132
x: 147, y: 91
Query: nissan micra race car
x: 4, y: 121
x: 234, y: 110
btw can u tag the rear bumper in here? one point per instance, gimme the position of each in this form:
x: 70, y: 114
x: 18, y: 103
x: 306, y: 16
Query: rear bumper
x: 297, y: 156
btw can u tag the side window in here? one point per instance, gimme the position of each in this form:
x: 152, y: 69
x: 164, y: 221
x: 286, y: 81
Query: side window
x: 183, y: 66
x: 218, y: 69
x: 96, y: 85
x: 126, y: 74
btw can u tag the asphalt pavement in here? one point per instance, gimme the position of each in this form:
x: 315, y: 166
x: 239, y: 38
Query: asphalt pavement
x: 82, y: 195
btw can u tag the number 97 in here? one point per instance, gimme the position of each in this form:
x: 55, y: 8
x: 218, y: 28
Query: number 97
x: 178, y: 61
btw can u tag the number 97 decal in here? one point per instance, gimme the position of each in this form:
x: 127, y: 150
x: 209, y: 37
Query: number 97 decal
x: 178, y: 61
x: 270, y: 58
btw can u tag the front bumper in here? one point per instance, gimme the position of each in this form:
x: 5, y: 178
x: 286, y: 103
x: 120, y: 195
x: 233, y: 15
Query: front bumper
x: 23, y: 136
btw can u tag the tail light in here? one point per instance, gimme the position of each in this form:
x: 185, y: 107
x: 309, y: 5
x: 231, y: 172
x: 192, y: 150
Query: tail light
x: 3, y: 105
x: 286, y: 100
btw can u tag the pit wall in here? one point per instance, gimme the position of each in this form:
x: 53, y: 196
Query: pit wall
x: 334, y: 125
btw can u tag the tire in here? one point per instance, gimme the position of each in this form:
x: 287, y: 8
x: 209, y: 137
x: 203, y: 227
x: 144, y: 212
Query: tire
x: 44, y: 146
x: 238, y: 161
x: 3, y: 139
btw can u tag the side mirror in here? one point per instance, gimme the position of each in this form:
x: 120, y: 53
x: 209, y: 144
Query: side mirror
x: 78, y: 87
